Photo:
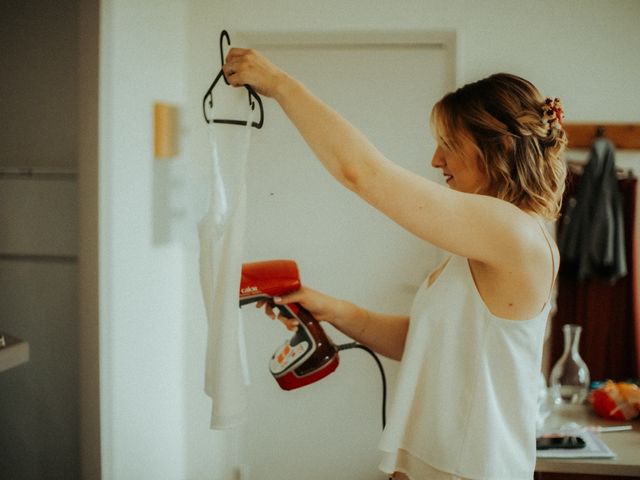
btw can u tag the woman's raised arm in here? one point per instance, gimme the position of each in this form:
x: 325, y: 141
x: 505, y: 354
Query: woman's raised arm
x: 475, y: 226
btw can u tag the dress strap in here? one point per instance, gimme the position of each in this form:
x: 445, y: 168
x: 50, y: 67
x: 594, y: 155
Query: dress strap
x: 545, y: 234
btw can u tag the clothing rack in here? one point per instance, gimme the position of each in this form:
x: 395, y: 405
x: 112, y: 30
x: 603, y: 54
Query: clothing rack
x: 625, y: 136
x: 38, y: 257
x: 44, y: 173
x: 576, y: 166
x: 608, y: 312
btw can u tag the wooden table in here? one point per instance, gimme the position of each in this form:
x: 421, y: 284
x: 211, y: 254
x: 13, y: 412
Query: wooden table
x: 626, y: 446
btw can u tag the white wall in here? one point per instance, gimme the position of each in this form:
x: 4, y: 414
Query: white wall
x: 154, y: 411
x: 582, y: 51
x: 142, y: 60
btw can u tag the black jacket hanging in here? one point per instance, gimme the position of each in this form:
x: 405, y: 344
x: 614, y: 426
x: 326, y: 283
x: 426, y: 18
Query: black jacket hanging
x: 591, y: 237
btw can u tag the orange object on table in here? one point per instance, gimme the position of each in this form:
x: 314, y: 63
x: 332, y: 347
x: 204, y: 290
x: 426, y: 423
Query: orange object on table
x: 616, y: 401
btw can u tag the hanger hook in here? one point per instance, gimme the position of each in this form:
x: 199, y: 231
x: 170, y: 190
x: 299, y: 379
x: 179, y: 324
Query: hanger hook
x: 224, y: 35
x: 208, y: 96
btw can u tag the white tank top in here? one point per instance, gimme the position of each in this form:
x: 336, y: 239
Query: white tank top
x: 465, y: 400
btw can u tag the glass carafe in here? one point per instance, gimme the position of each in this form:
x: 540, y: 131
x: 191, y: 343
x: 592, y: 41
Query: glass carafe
x: 570, y: 376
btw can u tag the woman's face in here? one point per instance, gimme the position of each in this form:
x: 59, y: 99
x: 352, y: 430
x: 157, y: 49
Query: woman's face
x: 460, y: 168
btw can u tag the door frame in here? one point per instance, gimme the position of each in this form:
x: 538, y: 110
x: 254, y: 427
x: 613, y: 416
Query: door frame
x: 442, y: 42
x: 448, y: 40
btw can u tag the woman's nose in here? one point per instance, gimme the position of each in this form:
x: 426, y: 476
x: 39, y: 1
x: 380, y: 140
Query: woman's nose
x: 437, y: 161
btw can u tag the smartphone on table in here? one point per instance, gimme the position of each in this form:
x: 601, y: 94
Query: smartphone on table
x: 546, y: 442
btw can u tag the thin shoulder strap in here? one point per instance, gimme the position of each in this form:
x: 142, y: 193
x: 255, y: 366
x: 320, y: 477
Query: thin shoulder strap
x: 545, y: 234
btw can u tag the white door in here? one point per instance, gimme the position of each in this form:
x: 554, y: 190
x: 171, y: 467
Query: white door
x: 386, y: 87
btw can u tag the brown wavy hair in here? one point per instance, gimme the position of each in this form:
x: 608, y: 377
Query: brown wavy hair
x: 519, y: 154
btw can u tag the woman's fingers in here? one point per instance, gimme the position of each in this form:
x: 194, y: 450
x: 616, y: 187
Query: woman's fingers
x: 269, y: 311
x: 247, y: 67
x: 236, y: 52
x: 268, y: 308
x: 298, y: 296
x: 230, y: 74
x: 289, y: 323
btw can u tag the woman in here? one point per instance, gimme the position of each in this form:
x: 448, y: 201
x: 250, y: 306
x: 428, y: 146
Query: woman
x: 471, y: 349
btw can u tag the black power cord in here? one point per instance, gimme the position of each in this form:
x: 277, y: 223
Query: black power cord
x: 348, y: 346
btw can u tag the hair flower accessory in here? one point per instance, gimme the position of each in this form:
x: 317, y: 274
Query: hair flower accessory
x: 552, y: 114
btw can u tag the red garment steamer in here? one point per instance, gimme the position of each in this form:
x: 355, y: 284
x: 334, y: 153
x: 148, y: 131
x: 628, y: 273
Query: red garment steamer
x: 309, y: 355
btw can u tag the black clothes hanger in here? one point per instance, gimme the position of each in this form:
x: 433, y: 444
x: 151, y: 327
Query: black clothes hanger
x: 253, y: 96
